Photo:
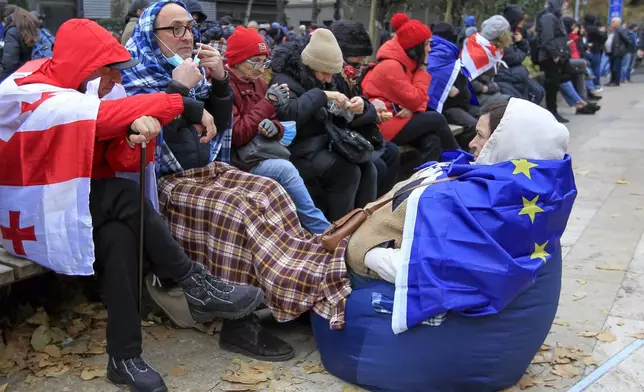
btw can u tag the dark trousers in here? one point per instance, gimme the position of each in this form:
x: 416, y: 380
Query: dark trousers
x: 595, y: 60
x: 428, y: 132
x: 616, y: 69
x: 387, y: 166
x: 115, y: 209
x: 556, y: 73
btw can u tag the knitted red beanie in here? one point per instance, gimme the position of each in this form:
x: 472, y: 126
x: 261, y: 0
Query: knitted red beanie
x: 243, y: 44
x: 398, y: 20
x: 413, y: 33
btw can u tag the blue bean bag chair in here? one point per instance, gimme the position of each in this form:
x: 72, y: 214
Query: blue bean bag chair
x: 463, y: 354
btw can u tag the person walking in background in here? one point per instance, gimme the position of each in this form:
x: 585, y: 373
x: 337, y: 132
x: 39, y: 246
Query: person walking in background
x: 595, y: 40
x: 618, y: 45
x: 631, y: 56
x: 132, y: 17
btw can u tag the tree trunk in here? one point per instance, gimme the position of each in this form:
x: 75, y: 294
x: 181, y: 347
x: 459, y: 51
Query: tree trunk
x: 448, y: 10
x: 281, y: 15
x: 315, y: 12
x: 374, y: 34
x: 249, y: 8
x: 337, y: 15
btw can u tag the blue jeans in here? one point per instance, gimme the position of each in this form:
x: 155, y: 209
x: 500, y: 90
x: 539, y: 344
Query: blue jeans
x: 569, y: 93
x: 289, y: 178
x: 627, y: 66
x: 595, y: 60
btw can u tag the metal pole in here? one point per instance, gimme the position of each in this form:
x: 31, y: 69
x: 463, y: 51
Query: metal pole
x: 577, y: 10
x: 141, y: 224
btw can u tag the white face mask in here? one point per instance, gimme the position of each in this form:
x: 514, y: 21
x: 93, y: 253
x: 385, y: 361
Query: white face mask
x: 118, y: 91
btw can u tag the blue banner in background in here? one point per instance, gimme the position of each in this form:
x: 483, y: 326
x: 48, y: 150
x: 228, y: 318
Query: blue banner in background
x: 614, y: 10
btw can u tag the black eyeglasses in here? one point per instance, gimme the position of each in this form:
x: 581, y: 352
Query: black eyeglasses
x: 180, y: 31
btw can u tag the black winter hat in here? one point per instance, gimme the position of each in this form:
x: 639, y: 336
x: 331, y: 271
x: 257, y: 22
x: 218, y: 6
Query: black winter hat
x: 445, y: 31
x: 353, y: 38
x: 569, y: 23
x: 513, y: 14
x: 194, y: 7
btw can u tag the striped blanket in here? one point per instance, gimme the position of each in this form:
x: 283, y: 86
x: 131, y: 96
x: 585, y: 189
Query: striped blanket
x: 244, y: 229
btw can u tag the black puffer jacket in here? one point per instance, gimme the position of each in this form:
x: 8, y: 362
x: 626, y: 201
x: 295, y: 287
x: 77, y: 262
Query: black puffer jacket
x: 14, y: 54
x: 621, y: 43
x: 183, y: 139
x: 553, y: 38
x: 596, y: 38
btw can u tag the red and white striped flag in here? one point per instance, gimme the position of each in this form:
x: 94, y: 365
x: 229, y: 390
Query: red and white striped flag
x: 47, y: 137
x: 479, y: 55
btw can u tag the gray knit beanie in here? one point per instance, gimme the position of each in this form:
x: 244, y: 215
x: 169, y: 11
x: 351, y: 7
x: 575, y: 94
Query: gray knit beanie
x: 323, y: 53
x: 493, y: 27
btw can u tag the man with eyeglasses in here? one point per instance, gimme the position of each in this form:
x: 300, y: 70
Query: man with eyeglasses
x: 163, y: 43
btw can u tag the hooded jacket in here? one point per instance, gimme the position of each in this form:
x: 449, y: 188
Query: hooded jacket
x: 14, y: 53
x: 596, y: 38
x: 553, y: 38
x: 396, y: 81
x: 82, y: 47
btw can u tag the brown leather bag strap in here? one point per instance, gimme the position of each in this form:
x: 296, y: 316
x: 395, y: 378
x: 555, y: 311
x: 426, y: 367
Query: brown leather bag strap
x: 374, y: 208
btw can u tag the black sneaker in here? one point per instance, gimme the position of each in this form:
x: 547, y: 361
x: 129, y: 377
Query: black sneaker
x: 593, y: 97
x: 560, y: 119
x: 249, y: 338
x: 210, y: 298
x: 588, y: 109
x: 136, y: 374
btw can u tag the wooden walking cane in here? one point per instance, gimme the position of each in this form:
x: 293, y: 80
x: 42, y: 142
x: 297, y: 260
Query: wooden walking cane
x: 141, y: 224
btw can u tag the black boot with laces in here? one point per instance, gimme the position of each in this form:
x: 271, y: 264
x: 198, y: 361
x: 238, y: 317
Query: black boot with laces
x: 135, y: 373
x: 210, y: 297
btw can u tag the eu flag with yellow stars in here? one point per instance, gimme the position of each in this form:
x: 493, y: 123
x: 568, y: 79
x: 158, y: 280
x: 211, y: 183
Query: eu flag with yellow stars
x: 473, y: 244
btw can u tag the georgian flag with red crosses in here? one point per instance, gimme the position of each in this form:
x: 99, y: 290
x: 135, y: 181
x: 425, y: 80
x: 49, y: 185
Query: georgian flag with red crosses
x: 47, y: 137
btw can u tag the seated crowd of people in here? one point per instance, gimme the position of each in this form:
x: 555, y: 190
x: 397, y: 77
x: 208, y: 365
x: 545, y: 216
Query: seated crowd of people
x: 250, y: 174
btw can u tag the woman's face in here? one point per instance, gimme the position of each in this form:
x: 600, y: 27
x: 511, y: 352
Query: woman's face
x: 575, y: 30
x: 428, y: 48
x: 323, y: 76
x: 253, y: 68
x: 482, y: 135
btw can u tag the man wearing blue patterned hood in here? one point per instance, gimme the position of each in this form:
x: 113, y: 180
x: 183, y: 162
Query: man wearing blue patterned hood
x: 213, y: 210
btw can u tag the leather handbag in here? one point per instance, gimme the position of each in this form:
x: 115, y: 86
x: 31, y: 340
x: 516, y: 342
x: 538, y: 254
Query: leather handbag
x: 349, y: 223
x: 261, y: 148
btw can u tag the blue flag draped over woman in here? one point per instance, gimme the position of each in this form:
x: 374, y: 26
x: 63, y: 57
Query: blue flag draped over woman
x: 473, y: 244
x: 444, y: 65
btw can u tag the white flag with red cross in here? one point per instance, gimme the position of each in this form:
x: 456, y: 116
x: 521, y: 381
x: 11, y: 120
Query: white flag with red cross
x: 47, y: 137
x: 480, y: 55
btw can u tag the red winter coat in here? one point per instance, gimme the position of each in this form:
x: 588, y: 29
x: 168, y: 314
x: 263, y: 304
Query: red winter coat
x: 574, y: 45
x: 249, y: 109
x: 82, y: 48
x: 395, y: 80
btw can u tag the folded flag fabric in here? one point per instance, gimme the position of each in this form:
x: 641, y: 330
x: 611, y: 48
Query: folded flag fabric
x: 444, y: 65
x: 46, y: 148
x: 473, y: 244
x: 480, y: 55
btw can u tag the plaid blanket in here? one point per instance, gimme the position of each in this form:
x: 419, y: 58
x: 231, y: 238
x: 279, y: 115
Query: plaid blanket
x: 245, y: 229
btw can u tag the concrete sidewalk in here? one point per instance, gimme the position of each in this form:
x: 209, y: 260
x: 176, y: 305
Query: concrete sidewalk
x: 601, y: 302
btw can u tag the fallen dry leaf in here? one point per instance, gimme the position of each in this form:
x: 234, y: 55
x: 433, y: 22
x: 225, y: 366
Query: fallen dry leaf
x: 311, y: 368
x: 75, y: 347
x: 93, y: 371
x: 39, y: 318
x: 583, y: 172
x: 100, y: 315
x: 56, y: 370
x: 86, y: 308
x: 95, y: 348
x: 620, y: 323
x: 146, y: 324
x: 588, y: 334
x: 57, y: 335
x: 178, y: 372
x: 545, y: 347
x: 638, y: 335
x: 611, y: 267
x: 581, y: 281
x: 3, y: 387
x: 248, y: 374
x: 52, y: 351
x: 606, y: 336
x: 578, y: 295
x: 528, y: 381
x: 542, y: 357
x: 621, y: 181
x: 40, y: 338
x: 244, y: 388
x: 561, y: 323
x: 590, y: 361
x: 566, y: 371
x: 159, y: 332
x: 76, y: 327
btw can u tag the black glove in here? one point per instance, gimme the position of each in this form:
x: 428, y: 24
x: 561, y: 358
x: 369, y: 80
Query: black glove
x: 277, y: 94
x: 269, y: 126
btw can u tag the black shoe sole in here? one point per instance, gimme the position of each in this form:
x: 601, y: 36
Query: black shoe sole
x: 206, y: 317
x: 239, y: 350
x: 115, y: 378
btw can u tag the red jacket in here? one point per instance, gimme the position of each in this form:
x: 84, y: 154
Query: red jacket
x: 80, y: 51
x: 395, y: 80
x: 249, y: 109
x: 574, y: 47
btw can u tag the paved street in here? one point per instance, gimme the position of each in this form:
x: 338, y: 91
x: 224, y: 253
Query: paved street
x: 601, y: 305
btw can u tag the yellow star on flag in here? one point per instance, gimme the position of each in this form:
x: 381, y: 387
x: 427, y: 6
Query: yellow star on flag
x: 530, y: 208
x: 523, y: 166
x: 540, y: 252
